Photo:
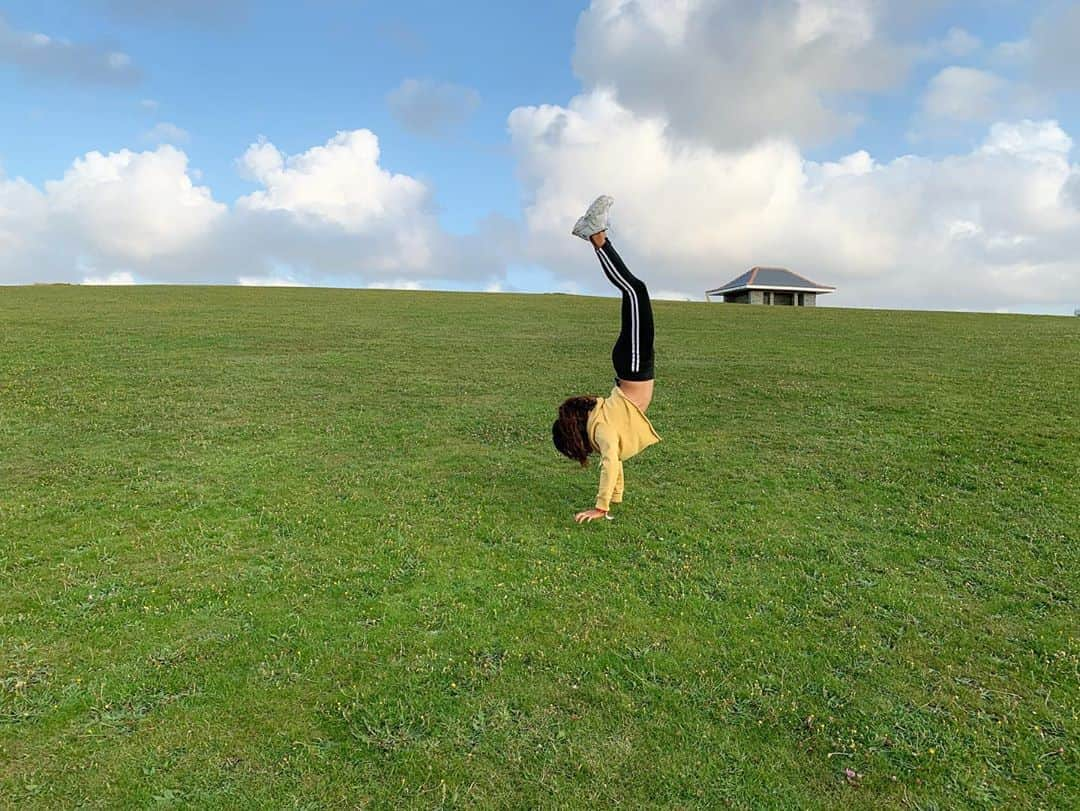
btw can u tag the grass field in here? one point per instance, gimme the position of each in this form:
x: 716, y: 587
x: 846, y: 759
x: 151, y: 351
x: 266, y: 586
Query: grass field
x: 266, y: 548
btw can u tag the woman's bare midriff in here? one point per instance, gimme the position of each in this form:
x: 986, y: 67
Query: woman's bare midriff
x: 639, y: 392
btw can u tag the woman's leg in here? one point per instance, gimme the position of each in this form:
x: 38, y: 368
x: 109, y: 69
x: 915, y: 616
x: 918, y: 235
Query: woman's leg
x: 632, y: 355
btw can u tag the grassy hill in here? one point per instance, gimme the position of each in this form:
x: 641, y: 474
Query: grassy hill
x: 266, y: 548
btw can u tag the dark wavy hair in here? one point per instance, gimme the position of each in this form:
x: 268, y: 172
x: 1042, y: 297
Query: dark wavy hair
x: 570, y: 432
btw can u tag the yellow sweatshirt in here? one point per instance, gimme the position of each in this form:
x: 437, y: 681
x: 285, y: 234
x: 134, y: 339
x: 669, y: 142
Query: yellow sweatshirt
x: 619, y: 430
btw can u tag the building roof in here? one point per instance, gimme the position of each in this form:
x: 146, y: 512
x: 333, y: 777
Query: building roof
x: 758, y: 278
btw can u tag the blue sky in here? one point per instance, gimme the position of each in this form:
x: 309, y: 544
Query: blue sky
x: 212, y: 78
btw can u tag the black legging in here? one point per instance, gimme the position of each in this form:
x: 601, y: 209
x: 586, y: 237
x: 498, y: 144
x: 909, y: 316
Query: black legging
x: 632, y: 355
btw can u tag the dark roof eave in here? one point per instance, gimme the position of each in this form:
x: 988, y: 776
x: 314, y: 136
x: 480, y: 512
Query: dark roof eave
x: 786, y: 288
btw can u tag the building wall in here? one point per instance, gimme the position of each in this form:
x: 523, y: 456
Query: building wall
x: 774, y: 297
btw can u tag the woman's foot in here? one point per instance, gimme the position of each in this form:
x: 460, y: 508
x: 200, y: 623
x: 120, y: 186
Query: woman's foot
x: 599, y: 239
x: 595, y: 220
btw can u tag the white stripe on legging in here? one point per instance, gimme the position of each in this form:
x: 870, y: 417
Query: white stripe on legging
x: 629, y: 289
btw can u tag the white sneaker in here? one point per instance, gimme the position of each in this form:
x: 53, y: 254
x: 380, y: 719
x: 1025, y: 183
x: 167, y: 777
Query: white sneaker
x: 595, y: 219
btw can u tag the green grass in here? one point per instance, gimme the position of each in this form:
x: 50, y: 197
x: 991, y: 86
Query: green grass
x: 312, y: 548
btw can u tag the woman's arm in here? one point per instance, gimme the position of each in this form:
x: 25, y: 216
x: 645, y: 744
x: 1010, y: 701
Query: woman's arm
x: 607, y: 443
x: 610, y: 466
x: 616, y: 495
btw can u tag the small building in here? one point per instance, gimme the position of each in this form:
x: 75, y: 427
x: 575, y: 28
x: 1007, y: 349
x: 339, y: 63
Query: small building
x: 774, y: 286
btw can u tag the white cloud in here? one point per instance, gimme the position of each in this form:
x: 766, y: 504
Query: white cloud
x: 1016, y: 52
x: 730, y: 73
x: 568, y: 155
x: 427, y: 107
x: 132, y: 206
x: 340, y: 183
x: 1071, y: 191
x: 268, y: 281
x: 956, y: 43
x: 397, y: 284
x: 331, y: 214
x: 993, y: 227
x: 670, y: 295
x: 23, y: 218
x: 964, y: 94
x: 1055, y: 58
x: 335, y: 207
x: 1035, y: 140
x: 119, y: 277
x: 166, y: 133
x: 1047, y: 57
x: 21, y: 210
x: 45, y: 57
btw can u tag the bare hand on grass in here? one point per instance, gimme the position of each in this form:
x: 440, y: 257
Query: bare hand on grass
x: 589, y: 515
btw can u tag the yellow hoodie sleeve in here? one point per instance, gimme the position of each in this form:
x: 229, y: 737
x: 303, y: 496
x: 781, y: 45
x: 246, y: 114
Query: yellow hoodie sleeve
x: 616, y: 495
x: 610, y: 467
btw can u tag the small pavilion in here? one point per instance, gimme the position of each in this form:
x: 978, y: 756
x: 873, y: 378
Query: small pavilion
x: 771, y: 286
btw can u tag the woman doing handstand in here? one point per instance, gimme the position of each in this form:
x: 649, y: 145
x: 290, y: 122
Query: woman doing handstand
x: 615, y: 426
